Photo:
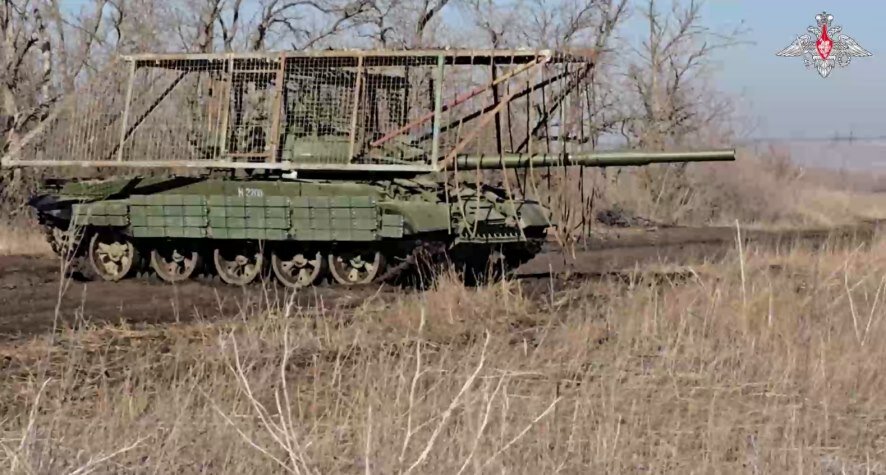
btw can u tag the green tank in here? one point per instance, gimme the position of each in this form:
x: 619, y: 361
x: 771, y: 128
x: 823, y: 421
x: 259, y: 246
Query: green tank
x: 341, y: 165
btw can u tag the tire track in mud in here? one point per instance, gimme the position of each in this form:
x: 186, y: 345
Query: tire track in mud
x: 29, y: 286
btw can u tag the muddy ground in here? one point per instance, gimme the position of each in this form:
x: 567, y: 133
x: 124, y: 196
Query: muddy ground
x: 30, y: 286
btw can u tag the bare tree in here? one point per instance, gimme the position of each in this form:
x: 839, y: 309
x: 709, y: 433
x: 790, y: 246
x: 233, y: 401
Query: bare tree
x: 583, y: 27
x: 25, y: 79
x: 667, y: 75
x: 304, y: 24
x: 230, y: 28
x: 401, y: 23
x: 209, y: 14
x: 493, y: 22
x: 562, y: 23
x: 669, y: 98
x: 210, y: 25
x: 201, y: 25
x: 43, y: 53
x: 429, y: 11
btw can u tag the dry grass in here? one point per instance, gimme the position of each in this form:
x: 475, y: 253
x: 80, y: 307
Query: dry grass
x: 22, y: 240
x: 761, y: 363
x: 759, y: 190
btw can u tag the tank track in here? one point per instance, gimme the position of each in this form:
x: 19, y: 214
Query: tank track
x: 417, y: 267
x: 61, y: 241
x: 425, y: 252
x: 53, y: 236
x: 429, y: 254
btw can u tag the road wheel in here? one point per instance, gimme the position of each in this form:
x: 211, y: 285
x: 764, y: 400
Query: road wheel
x: 111, y: 255
x: 296, y: 269
x: 355, y: 267
x: 174, y: 263
x: 238, y: 267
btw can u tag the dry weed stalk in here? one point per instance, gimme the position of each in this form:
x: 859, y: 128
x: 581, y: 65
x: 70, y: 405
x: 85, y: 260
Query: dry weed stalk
x: 448, y: 412
x: 282, y: 431
x: 21, y: 457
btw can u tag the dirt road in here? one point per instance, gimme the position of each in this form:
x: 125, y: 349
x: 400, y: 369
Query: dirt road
x: 29, y: 286
x: 623, y: 249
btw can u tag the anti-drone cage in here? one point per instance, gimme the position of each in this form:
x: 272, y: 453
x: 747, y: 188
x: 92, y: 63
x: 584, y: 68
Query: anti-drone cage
x: 395, y: 111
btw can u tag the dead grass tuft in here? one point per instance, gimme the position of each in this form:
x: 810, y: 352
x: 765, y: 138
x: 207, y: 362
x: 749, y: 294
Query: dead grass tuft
x: 22, y: 240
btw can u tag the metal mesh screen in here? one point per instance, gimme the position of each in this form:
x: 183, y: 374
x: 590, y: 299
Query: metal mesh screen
x: 174, y: 114
x: 338, y: 110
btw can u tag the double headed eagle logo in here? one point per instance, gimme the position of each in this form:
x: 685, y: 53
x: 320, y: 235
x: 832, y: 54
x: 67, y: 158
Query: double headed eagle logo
x: 825, y: 47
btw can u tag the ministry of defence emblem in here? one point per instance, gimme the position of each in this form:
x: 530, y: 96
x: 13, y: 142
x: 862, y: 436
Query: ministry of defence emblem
x: 826, y: 46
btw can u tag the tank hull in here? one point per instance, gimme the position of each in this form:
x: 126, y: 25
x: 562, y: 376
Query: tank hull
x: 349, y: 232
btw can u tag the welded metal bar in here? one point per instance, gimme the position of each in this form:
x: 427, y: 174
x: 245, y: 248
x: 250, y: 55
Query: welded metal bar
x: 226, y: 112
x: 495, y: 100
x: 438, y: 111
x: 458, y: 100
x: 543, y: 120
x: 358, y: 83
x: 276, y: 111
x: 483, y: 122
x: 474, y: 133
x: 217, y: 164
x: 404, y: 103
x: 528, y: 90
x: 564, y: 128
x: 126, y: 110
x: 248, y: 155
x: 253, y: 72
x: 140, y: 120
x: 530, y: 114
x: 469, y: 56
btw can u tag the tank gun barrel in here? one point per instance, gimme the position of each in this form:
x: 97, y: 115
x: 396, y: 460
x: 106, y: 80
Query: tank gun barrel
x: 600, y: 159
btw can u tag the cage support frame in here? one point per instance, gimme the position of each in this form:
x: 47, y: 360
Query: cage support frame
x: 124, y: 121
x: 438, y: 111
x: 211, y: 146
x: 355, y: 111
x: 276, y: 110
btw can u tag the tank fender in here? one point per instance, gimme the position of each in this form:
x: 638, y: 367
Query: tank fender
x: 535, y: 215
x: 52, y: 206
x: 420, y: 217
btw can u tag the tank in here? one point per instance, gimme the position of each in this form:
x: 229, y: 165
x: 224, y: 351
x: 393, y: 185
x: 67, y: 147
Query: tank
x: 351, y: 167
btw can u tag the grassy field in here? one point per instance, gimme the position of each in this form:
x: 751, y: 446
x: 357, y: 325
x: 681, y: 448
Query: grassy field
x: 763, y: 361
x: 759, y: 363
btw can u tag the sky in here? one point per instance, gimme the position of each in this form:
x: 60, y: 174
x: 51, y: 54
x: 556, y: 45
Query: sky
x: 786, y: 99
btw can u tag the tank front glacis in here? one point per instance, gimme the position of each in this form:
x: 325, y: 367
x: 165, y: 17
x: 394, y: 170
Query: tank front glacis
x: 380, y: 222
